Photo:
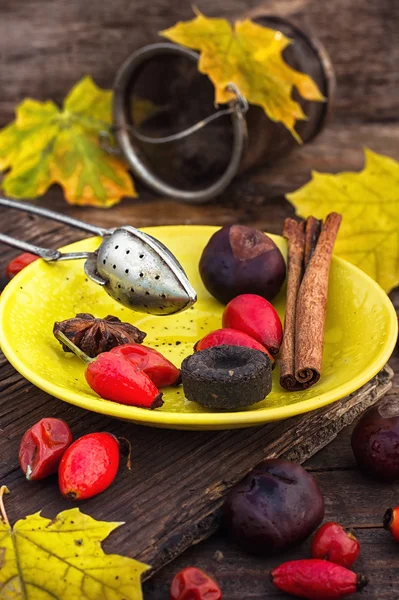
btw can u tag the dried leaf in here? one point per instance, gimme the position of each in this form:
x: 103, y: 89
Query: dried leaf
x: 369, y: 204
x: 251, y: 57
x: 46, y: 145
x: 63, y: 559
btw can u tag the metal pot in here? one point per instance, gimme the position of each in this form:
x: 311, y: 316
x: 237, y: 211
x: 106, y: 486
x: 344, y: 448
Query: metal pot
x: 174, y: 141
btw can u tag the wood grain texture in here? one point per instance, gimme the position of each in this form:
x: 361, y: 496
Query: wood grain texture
x: 47, y: 45
x: 351, y: 498
x: 172, y: 497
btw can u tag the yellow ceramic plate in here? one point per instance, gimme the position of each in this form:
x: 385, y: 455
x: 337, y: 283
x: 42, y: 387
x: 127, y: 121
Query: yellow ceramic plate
x: 360, y: 335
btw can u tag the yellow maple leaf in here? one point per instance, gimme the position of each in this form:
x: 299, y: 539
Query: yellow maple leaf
x: 46, y: 145
x: 250, y: 56
x: 63, y: 559
x: 369, y: 203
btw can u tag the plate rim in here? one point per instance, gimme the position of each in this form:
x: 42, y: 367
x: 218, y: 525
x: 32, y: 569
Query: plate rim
x: 214, y: 420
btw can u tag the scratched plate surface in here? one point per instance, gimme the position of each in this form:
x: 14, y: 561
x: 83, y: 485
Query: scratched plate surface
x: 360, y: 334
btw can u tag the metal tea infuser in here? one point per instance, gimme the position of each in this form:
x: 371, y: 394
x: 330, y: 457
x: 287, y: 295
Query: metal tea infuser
x: 133, y: 267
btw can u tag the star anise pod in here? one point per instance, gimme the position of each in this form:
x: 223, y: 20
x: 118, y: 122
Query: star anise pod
x: 94, y: 336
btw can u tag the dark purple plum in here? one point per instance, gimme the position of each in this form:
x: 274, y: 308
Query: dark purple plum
x: 241, y: 260
x: 275, y: 507
x: 375, y: 441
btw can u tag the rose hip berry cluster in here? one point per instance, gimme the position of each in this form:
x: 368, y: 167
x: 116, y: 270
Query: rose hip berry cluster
x: 85, y: 467
x: 326, y: 574
x: 129, y: 374
x: 248, y: 320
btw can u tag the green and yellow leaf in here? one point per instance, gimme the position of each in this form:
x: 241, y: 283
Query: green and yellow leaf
x: 369, y: 204
x: 46, y: 145
x: 62, y: 559
x: 250, y: 56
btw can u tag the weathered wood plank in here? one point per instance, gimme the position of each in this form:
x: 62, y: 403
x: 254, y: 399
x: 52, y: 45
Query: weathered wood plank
x: 351, y: 499
x: 172, y: 511
x: 47, y: 45
x: 161, y: 456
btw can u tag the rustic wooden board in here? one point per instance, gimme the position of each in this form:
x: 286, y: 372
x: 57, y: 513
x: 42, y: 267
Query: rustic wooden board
x: 351, y: 498
x: 47, y: 45
x: 172, y: 497
x: 169, y: 468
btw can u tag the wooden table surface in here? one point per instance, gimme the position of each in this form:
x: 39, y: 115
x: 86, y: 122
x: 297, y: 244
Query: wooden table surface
x: 350, y: 497
x: 46, y: 46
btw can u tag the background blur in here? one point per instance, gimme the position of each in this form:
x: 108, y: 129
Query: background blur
x: 47, y: 45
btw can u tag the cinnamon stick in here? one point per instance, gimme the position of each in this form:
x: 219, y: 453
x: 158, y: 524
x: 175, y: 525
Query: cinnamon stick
x: 311, y: 306
x: 312, y: 232
x: 294, y: 232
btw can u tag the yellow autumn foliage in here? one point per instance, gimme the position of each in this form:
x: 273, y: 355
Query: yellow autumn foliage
x: 369, y: 203
x: 250, y: 56
x: 46, y: 145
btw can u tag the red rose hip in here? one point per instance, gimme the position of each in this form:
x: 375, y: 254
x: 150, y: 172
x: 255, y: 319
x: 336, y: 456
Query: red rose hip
x: 316, y: 579
x: 193, y: 584
x: 114, y: 377
x: 333, y: 543
x: 18, y: 263
x: 89, y: 466
x: 42, y: 448
x: 255, y: 316
x: 230, y: 337
x: 158, y: 368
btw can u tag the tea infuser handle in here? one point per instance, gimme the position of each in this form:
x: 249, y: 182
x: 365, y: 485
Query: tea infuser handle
x: 52, y: 215
x: 45, y: 253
